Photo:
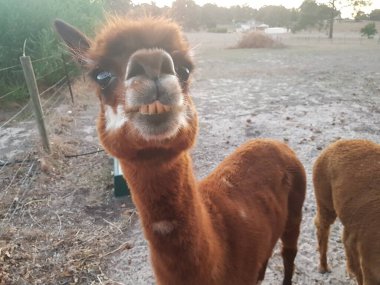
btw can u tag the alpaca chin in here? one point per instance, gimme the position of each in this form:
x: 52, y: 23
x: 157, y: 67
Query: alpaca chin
x: 159, y: 127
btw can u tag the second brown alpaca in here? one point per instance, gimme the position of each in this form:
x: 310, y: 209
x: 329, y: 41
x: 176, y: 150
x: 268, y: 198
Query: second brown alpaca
x: 346, y: 180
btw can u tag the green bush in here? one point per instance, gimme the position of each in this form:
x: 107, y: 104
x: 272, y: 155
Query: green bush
x: 369, y: 30
x: 32, y: 21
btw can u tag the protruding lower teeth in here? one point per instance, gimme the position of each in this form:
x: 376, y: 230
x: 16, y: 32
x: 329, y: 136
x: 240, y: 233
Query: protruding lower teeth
x: 155, y: 108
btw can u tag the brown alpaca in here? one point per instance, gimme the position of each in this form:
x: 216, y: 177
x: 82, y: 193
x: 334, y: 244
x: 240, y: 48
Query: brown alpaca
x: 221, y: 230
x: 346, y: 180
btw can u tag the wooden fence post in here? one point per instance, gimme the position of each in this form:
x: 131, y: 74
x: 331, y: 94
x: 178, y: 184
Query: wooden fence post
x: 34, y: 94
x: 67, y: 78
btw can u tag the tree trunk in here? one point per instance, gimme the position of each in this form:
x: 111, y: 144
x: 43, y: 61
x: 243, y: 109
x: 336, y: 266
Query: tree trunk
x: 331, y: 30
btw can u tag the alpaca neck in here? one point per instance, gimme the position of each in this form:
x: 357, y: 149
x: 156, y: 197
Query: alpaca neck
x: 173, y: 213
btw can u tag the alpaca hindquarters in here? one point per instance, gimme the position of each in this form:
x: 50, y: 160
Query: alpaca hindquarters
x: 291, y: 232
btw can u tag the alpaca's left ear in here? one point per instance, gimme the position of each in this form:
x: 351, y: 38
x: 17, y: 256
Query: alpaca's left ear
x: 77, y: 42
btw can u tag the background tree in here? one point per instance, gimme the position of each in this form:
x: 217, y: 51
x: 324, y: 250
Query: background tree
x: 312, y: 14
x: 211, y: 15
x: 118, y: 7
x: 186, y: 13
x: 375, y: 15
x: 337, y: 5
x: 274, y: 16
x: 146, y: 9
x: 294, y: 17
x: 361, y: 16
x: 242, y: 13
x: 369, y: 30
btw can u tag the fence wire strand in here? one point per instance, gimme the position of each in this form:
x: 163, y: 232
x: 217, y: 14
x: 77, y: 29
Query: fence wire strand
x: 53, y: 86
x: 45, y: 58
x: 14, y: 116
x: 34, y: 61
x: 9, y: 67
x: 9, y: 93
x: 52, y: 96
x: 43, y: 76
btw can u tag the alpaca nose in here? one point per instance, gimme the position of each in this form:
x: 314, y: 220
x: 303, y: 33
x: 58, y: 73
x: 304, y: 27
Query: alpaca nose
x: 150, y: 63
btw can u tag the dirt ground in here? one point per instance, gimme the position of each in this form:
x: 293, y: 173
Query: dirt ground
x: 59, y: 221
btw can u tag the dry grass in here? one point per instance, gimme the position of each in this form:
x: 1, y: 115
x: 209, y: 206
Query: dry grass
x: 258, y: 40
x: 59, y: 221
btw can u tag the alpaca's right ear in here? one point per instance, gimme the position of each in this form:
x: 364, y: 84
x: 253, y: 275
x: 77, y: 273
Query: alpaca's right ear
x: 77, y: 42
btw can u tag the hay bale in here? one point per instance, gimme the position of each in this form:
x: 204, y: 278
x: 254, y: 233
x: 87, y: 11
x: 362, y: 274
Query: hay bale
x: 257, y: 39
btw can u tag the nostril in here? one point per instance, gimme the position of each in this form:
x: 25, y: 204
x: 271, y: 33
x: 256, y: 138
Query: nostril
x: 135, y: 69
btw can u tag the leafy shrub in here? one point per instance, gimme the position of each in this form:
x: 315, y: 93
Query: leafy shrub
x: 32, y: 21
x: 369, y: 30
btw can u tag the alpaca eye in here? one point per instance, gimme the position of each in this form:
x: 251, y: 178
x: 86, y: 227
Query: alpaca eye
x: 183, y: 73
x: 104, y: 78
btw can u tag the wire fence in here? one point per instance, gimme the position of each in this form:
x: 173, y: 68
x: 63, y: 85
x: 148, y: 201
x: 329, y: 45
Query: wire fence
x: 338, y: 39
x: 18, y: 122
x: 47, y: 95
x: 18, y: 160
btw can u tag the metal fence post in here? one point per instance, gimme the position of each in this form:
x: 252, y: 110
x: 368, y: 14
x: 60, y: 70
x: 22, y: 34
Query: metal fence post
x: 120, y: 185
x: 34, y: 94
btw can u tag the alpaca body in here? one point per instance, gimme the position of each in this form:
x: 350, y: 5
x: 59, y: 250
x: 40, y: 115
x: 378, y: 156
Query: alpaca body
x: 221, y: 230
x: 212, y: 226
x: 347, y: 185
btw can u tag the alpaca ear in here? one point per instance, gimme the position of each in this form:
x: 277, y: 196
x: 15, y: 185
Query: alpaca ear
x: 76, y: 41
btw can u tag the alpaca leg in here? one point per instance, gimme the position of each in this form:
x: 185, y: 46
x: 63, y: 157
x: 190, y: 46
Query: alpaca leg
x: 370, y: 262
x: 325, y: 211
x: 262, y: 272
x: 352, y: 256
x: 288, y: 256
x: 370, y: 274
x: 323, y: 221
x: 289, y: 249
x: 369, y: 278
x: 290, y: 235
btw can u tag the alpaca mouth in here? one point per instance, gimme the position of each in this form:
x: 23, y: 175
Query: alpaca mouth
x: 154, y: 108
x: 157, y: 121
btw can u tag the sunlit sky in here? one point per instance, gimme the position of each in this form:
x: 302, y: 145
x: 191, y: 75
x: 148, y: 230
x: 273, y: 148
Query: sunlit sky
x: 259, y: 3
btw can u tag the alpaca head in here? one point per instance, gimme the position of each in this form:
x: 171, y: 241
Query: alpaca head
x: 142, y: 71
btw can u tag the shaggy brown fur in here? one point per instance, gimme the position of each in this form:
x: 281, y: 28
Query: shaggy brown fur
x: 347, y: 184
x: 221, y: 230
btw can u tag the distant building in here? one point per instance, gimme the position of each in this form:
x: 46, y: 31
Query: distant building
x: 276, y: 30
x: 246, y: 26
x: 261, y: 27
x: 251, y: 25
x: 254, y: 25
